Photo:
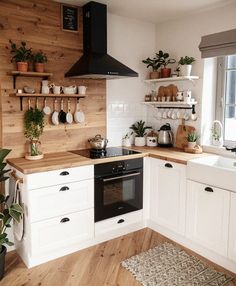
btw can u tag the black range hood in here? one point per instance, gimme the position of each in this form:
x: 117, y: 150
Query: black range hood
x: 95, y: 62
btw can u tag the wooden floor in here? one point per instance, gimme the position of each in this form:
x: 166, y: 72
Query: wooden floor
x: 95, y: 266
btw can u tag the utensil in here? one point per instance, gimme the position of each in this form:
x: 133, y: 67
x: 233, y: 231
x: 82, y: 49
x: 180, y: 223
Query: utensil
x: 69, y: 116
x: 62, y: 114
x: 165, y: 136
x: 79, y: 116
x: 98, y: 142
x: 55, y: 118
x: 46, y: 109
x: 193, y: 114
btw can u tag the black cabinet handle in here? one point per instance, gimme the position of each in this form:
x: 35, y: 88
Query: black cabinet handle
x: 168, y: 165
x: 121, y: 221
x: 208, y: 189
x: 63, y: 189
x: 65, y: 219
x: 64, y: 173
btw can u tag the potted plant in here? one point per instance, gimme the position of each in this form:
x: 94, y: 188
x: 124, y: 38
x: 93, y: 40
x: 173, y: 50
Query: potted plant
x: 155, y: 65
x: 34, y: 124
x: 192, y: 139
x: 21, y: 55
x: 163, y: 59
x: 186, y: 65
x: 126, y: 140
x: 216, y: 134
x: 8, y: 213
x: 39, y: 60
x: 139, y: 129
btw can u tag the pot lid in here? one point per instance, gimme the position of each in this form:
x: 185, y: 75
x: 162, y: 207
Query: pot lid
x: 97, y: 138
x: 165, y: 127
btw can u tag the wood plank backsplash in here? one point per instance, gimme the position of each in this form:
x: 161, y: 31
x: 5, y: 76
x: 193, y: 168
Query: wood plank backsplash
x: 39, y: 24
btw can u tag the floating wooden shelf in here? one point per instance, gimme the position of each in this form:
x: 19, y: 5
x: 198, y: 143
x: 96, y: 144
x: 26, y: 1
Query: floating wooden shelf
x: 172, y: 79
x: 15, y: 74
x: 30, y: 74
x: 170, y: 104
x: 43, y: 95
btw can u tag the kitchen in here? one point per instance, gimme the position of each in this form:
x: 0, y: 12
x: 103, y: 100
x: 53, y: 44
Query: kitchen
x: 110, y: 108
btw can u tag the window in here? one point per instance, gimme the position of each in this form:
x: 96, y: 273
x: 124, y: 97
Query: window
x: 226, y: 98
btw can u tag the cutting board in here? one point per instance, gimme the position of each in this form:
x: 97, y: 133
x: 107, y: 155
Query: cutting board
x: 181, y: 135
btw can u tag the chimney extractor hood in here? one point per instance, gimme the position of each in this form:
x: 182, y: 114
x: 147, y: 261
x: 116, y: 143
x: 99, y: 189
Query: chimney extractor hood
x: 95, y: 62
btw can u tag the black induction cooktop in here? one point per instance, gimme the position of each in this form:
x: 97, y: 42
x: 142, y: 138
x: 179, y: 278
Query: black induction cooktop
x: 105, y: 153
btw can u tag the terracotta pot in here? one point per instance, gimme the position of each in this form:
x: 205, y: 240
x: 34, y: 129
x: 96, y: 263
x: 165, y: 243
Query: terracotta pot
x: 2, y: 261
x: 22, y: 66
x: 165, y: 72
x: 39, y: 67
x: 154, y: 74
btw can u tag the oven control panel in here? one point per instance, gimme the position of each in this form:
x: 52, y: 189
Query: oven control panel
x: 119, y: 167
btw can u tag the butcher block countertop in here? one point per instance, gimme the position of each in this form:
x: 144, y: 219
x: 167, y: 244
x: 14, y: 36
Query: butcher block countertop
x: 63, y: 160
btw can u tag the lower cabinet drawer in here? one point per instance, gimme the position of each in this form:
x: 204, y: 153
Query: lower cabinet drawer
x: 61, y: 199
x: 62, y: 231
x: 118, y: 222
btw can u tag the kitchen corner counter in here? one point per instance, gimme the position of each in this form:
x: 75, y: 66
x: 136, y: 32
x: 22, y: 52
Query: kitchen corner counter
x: 169, y: 154
x: 61, y: 160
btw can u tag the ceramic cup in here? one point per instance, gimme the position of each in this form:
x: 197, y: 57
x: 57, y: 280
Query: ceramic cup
x: 56, y: 89
x: 82, y: 89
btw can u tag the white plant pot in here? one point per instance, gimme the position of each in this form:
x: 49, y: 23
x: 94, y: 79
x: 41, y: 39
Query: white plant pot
x: 218, y: 143
x: 139, y: 141
x: 151, y: 141
x: 185, y: 70
x: 191, y: 145
x: 126, y: 142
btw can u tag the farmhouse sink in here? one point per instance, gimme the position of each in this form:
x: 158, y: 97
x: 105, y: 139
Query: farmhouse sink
x: 213, y: 170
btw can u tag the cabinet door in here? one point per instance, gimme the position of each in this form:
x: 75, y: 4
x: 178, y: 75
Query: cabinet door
x: 168, y: 192
x: 208, y: 216
x: 232, y: 228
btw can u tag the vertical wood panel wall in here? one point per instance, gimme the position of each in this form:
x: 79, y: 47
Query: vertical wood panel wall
x: 39, y: 24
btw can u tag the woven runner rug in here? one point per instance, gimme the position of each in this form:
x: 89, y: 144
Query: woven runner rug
x: 168, y: 265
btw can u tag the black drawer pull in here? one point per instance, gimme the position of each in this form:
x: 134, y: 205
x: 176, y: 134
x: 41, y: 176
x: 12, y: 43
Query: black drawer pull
x: 121, y: 221
x: 64, y: 173
x: 65, y: 219
x: 208, y: 189
x: 63, y: 189
x: 168, y: 165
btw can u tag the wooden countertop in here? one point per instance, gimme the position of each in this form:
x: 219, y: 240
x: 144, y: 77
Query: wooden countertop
x: 63, y: 160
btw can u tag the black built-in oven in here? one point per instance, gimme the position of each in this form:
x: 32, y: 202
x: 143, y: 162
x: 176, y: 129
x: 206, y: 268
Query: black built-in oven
x: 118, y: 188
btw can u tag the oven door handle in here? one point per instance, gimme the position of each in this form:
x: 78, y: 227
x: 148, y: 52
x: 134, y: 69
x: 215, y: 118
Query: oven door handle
x: 121, y: 177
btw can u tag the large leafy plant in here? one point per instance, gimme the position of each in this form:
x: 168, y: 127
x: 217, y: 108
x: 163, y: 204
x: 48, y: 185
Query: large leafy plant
x: 7, y: 212
x: 34, y: 123
x: 164, y: 59
x: 21, y: 53
x: 139, y: 128
x: 186, y: 60
x: 153, y: 63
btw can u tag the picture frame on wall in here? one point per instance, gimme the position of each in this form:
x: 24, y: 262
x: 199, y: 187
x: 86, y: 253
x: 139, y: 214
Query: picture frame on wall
x: 69, y: 18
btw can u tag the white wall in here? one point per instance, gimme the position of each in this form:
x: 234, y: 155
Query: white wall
x: 182, y: 37
x: 129, y: 41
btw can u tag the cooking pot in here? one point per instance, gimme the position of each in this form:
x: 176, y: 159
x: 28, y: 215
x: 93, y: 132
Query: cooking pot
x: 98, y: 142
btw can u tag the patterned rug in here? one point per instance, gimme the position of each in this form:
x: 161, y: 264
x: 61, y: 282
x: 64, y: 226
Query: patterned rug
x: 168, y: 265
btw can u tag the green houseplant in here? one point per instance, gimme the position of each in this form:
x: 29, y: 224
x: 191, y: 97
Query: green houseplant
x: 21, y: 55
x: 164, y: 60
x: 8, y: 212
x: 139, y: 129
x: 155, y: 65
x: 39, y: 59
x: 34, y: 124
x: 186, y: 65
x: 192, y: 138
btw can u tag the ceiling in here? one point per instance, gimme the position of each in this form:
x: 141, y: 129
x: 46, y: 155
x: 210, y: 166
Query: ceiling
x: 155, y: 11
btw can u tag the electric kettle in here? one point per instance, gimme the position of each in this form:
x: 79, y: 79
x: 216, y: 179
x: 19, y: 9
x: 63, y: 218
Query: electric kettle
x: 165, y: 136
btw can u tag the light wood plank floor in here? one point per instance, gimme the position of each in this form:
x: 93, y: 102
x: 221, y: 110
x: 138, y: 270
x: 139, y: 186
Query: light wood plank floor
x: 95, y: 266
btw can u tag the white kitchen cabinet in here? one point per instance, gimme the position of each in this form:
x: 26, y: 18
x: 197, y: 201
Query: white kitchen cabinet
x: 168, y: 193
x: 207, y: 218
x: 232, y: 228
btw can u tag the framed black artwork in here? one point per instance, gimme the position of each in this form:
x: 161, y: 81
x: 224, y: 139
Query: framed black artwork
x: 69, y: 18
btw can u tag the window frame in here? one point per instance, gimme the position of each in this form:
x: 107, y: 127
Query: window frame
x: 221, y: 96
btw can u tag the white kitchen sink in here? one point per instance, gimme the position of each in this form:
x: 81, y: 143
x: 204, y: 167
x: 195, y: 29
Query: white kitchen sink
x: 214, y: 170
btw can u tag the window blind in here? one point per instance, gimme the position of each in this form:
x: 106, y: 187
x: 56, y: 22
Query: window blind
x: 218, y: 44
